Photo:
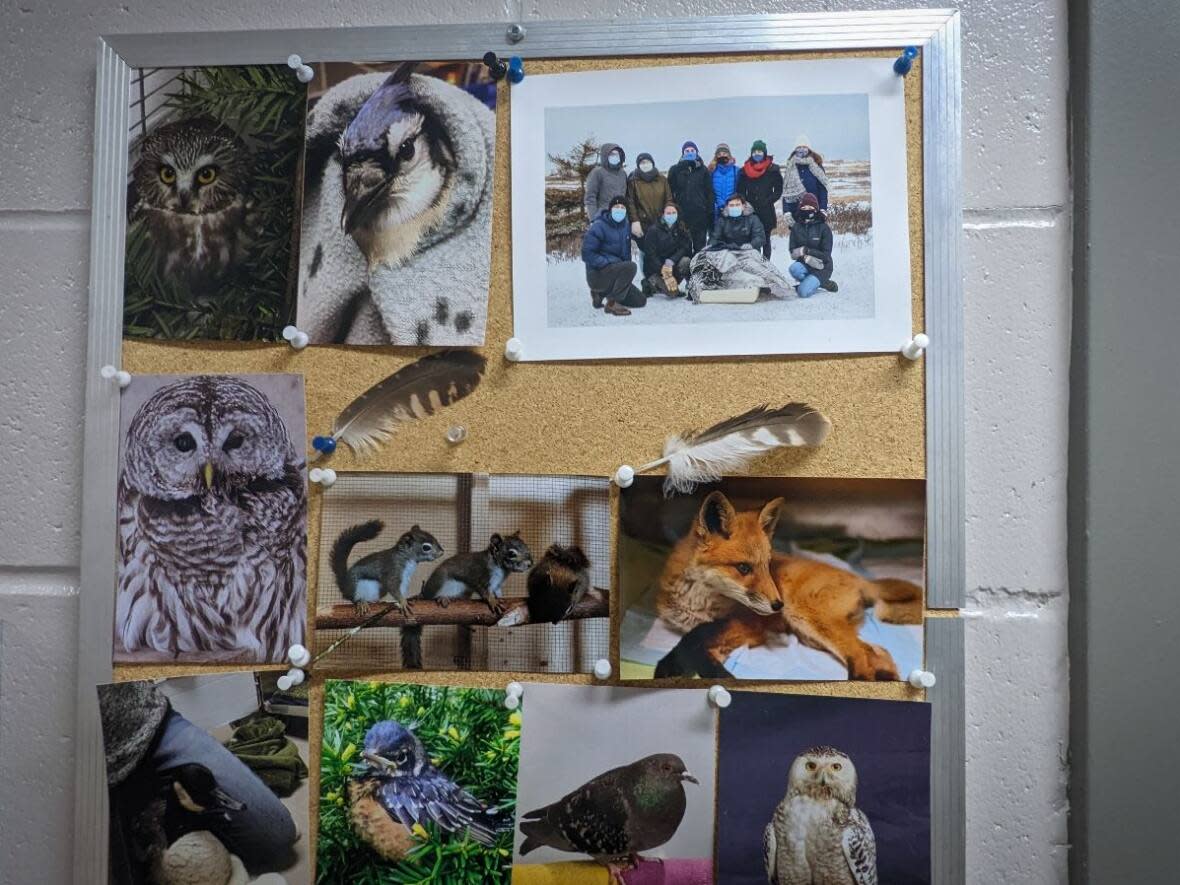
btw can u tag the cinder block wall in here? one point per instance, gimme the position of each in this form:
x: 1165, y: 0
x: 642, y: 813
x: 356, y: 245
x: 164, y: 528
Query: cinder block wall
x: 1016, y: 232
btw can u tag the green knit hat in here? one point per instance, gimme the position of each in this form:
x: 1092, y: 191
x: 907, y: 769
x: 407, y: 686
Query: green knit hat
x: 758, y: 145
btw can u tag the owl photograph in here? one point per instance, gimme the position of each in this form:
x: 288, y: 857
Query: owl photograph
x: 823, y: 791
x: 212, y: 202
x: 395, y: 245
x: 212, y: 519
x: 616, y: 785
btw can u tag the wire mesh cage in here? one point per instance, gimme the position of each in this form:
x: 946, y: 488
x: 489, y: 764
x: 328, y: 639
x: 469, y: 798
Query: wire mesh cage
x: 462, y: 512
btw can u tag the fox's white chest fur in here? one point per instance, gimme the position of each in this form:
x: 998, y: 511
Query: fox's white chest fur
x: 699, y: 595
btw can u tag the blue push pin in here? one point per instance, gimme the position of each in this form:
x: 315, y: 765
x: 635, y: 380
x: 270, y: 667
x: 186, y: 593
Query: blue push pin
x: 325, y: 445
x: 905, y: 61
x: 515, y: 69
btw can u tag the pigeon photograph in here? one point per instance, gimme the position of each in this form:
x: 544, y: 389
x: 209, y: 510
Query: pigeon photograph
x: 207, y: 777
x: 212, y: 202
x: 823, y: 790
x: 417, y: 783
x: 395, y: 244
x: 212, y: 519
x: 762, y: 210
x: 617, y: 780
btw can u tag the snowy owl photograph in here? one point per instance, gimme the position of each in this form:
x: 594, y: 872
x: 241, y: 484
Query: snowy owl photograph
x: 212, y: 519
x: 719, y: 209
x: 211, y: 202
x: 395, y: 245
x: 823, y: 791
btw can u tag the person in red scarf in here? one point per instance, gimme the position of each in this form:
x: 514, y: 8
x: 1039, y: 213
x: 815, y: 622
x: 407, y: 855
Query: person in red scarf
x: 761, y: 184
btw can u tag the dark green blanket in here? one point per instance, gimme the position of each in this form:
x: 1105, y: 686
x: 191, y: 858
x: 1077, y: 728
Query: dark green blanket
x: 262, y: 744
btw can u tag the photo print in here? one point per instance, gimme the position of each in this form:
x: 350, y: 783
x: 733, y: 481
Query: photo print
x: 397, y: 210
x: 820, y: 789
x: 212, y: 202
x: 417, y: 783
x: 207, y: 773
x: 772, y: 578
x: 713, y: 209
x: 212, y: 507
x: 464, y: 571
x: 615, y: 781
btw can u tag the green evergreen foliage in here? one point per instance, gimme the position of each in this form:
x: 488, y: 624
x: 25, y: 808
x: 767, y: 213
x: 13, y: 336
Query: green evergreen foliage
x: 265, y: 105
x: 469, y: 735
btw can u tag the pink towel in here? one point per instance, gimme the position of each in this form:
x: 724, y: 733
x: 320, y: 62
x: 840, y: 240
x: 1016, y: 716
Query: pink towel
x: 695, y: 871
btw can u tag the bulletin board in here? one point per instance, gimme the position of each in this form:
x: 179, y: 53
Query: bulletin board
x: 891, y: 417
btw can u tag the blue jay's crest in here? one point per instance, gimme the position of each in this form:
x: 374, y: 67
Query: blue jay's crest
x: 390, y: 101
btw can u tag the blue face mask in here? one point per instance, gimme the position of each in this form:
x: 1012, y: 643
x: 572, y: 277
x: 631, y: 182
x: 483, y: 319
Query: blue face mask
x: 614, y: 159
x: 618, y: 213
x: 670, y: 219
x: 733, y: 211
x: 689, y: 155
x: 757, y: 156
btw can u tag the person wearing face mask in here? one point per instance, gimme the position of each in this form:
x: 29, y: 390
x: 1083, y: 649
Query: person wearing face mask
x: 811, y: 247
x: 606, y: 180
x: 737, y: 227
x: 606, y: 251
x: 692, y: 189
x: 804, y: 174
x: 761, y: 184
x: 647, y: 192
x: 667, y: 252
x: 724, y: 173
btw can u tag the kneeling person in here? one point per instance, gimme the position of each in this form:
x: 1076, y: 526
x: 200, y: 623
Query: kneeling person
x: 606, y: 251
x: 667, y: 252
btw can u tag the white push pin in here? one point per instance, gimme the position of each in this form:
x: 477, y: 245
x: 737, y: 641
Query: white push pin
x: 921, y: 679
x: 512, y: 701
x: 624, y: 476
x: 718, y: 696
x: 295, y: 337
x: 325, y: 476
x: 602, y: 669
x: 456, y: 433
x: 513, y: 350
x: 303, y: 73
x: 298, y: 655
x: 120, y: 377
x: 514, y: 688
x: 291, y: 678
x: 915, y: 347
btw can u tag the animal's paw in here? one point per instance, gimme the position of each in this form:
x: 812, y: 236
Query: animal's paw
x: 362, y: 608
x: 442, y: 602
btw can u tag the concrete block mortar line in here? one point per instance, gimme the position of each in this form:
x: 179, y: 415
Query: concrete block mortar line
x: 43, y: 219
x: 20, y: 580
x: 1016, y: 217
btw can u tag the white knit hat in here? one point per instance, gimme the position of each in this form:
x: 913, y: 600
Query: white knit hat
x: 802, y: 141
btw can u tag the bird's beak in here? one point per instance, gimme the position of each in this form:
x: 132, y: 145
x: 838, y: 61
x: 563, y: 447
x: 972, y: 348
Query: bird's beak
x: 362, y: 192
x: 226, y: 802
x: 374, y: 759
x: 687, y: 776
x: 208, y: 473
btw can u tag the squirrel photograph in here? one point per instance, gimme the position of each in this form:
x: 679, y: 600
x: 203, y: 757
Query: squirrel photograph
x: 557, y: 583
x: 384, y: 573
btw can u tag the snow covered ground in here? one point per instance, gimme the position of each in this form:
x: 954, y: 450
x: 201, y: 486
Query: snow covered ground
x: 569, y: 296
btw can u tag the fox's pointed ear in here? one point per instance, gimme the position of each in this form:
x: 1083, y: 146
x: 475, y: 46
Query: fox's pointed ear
x: 715, y: 516
x: 768, y: 516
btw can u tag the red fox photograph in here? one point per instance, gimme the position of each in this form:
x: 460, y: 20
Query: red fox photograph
x: 772, y: 578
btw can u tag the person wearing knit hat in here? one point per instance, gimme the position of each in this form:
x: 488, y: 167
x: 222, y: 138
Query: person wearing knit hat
x: 606, y: 252
x: 761, y: 184
x: 803, y: 174
x: 811, y: 247
x: 692, y: 189
x: 725, y: 176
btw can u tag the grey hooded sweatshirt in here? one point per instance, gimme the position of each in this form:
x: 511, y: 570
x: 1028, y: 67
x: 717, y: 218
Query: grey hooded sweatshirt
x: 604, y: 182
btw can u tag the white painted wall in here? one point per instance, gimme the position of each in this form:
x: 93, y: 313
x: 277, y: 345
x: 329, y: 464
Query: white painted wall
x: 1017, y: 335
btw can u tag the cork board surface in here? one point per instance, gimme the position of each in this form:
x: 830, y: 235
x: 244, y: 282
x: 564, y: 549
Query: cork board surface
x: 589, y: 417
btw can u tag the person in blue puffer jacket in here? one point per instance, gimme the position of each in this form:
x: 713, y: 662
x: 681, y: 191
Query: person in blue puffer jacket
x: 606, y: 251
x: 725, y: 178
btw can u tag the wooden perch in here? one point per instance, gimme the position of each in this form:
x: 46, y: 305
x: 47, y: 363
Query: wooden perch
x: 460, y: 613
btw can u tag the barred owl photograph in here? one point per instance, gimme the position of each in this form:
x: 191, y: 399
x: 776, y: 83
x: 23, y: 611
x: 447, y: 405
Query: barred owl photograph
x: 212, y: 519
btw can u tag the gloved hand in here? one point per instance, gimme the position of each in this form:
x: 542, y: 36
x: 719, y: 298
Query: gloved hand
x: 636, y: 229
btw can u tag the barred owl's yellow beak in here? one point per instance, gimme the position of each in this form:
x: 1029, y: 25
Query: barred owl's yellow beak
x: 208, y: 475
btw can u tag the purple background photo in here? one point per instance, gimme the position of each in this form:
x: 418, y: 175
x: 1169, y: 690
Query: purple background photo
x: 888, y: 742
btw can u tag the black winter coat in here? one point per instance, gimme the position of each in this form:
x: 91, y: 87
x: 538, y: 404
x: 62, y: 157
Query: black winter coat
x: 733, y: 233
x: 763, y: 193
x: 692, y: 189
x: 816, y: 237
x: 662, y: 243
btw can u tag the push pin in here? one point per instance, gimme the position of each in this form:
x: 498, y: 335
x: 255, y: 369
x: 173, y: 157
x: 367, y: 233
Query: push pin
x: 915, y: 347
x: 119, y: 376
x: 298, y: 655
x: 602, y: 669
x: 513, y: 350
x: 515, y: 69
x: 719, y: 697
x: 295, y: 337
x: 456, y: 433
x: 921, y: 679
x: 325, y: 476
x: 497, y: 68
x: 512, y: 695
x: 291, y: 678
x: 624, y: 476
x: 516, y: 32
x: 303, y: 73
x: 905, y: 61
x: 325, y: 445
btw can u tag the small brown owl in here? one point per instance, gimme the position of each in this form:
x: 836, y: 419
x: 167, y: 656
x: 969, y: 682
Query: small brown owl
x: 191, y: 188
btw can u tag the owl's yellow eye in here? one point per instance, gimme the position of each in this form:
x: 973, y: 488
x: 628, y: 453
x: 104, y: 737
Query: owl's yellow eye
x: 167, y: 175
x: 206, y: 175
